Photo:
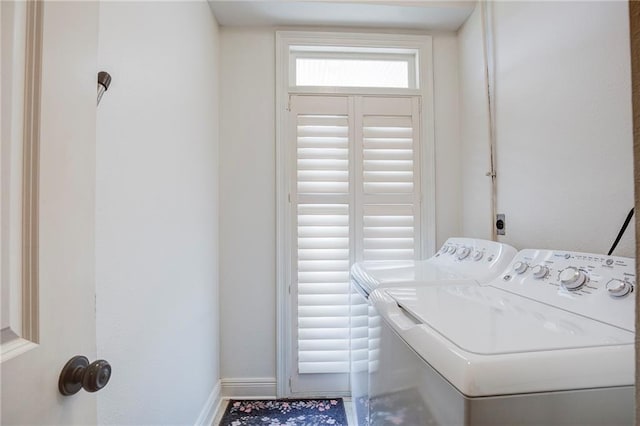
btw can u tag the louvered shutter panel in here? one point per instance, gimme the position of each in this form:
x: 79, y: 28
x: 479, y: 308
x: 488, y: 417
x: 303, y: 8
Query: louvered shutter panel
x: 388, y: 187
x: 354, y: 196
x: 323, y: 233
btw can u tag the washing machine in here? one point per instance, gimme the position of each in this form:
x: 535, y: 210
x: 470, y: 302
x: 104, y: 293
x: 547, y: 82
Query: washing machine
x: 550, y: 341
x: 460, y: 260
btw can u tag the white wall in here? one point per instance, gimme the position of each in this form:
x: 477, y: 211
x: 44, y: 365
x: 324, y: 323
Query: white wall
x: 247, y: 200
x: 563, y: 124
x: 247, y: 192
x: 157, y: 211
x: 474, y: 132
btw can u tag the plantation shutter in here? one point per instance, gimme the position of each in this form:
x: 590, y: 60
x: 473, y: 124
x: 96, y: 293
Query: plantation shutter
x: 323, y: 242
x: 388, y: 178
x: 354, y: 196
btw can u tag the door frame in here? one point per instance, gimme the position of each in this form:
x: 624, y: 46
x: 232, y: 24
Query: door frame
x: 284, y: 41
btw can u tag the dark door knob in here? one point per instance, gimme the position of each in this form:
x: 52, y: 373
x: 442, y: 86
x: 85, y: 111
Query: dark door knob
x: 79, y: 374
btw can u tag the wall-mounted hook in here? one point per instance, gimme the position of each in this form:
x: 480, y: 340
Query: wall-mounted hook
x: 104, y: 80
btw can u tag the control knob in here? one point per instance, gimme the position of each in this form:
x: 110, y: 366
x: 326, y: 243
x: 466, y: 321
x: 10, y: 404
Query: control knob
x: 477, y: 255
x: 520, y: 267
x: 572, y: 278
x: 540, y: 271
x: 463, y: 252
x: 618, y: 288
x: 452, y: 249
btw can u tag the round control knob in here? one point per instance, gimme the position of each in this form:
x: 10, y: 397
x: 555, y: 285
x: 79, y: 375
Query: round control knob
x: 463, y: 252
x: 572, y: 278
x: 618, y: 288
x: 540, y: 271
x: 477, y: 255
x: 520, y: 267
x: 452, y: 249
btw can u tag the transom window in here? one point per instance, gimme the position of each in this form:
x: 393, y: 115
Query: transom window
x: 381, y: 68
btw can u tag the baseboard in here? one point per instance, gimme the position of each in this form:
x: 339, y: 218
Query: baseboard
x: 211, y: 407
x: 251, y: 387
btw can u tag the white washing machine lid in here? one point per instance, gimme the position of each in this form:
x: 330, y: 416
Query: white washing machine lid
x: 487, y: 320
x: 373, y: 274
x: 487, y: 341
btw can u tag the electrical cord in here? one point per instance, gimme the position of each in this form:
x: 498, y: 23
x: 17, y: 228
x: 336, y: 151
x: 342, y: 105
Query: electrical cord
x: 621, y: 233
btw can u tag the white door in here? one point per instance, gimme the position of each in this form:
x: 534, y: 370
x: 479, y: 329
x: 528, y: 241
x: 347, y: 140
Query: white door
x: 48, y: 286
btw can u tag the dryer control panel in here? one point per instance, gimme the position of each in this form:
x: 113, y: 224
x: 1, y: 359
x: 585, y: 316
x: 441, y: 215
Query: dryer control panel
x: 476, y: 258
x: 458, y: 259
x: 592, y: 285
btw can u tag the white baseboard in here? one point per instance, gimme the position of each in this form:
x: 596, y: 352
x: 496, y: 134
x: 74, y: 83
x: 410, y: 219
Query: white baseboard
x: 211, y: 407
x: 251, y: 387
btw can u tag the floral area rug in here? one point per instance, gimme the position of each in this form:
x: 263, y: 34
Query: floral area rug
x: 285, y: 412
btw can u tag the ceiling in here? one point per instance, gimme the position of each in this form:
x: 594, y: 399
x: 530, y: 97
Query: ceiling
x: 416, y: 15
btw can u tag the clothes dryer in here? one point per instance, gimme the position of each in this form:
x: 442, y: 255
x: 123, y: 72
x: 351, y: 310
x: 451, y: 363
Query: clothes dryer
x: 460, y: 260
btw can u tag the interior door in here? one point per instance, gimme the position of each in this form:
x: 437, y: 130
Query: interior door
x: 48, y: 219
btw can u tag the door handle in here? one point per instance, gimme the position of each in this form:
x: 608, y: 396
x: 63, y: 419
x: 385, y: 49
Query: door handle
x: 79, y: 374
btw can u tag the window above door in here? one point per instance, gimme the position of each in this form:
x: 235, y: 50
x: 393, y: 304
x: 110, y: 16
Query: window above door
x: 374, y: 68
x: 353, y: 63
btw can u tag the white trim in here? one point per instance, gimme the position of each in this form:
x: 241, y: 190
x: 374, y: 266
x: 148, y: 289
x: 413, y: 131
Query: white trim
x: 211, y: 407
x: 285, y: 39
x: 428, y: 146
x: 250, y: 387
x: 283, y: 311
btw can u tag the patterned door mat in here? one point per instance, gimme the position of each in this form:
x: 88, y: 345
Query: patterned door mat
x: 285, y: 412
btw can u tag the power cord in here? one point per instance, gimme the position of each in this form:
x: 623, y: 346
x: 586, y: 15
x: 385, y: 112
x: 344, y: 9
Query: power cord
x: 621, y: 233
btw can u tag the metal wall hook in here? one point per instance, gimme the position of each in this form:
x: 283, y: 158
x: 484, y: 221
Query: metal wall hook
x: 104, y: 80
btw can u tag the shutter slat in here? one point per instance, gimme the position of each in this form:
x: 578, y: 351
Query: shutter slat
x: 323, y: 367
x: 324, y: 153
x: 323, y: 176
x: 322, y: 265
x: 323, y: 254
x: 322, y: 299
x: 323, y: 231
x: 388, y: 176
x: 323, y: 243
x: 388, y: 165
x: 324, y: 344
x: 328, y: 288
x: 323, y: 187
x: 323, y: 164
x: 388, y: 187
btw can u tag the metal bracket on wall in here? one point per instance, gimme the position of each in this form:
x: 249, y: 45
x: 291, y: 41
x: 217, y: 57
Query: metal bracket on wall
x: 104, y: 80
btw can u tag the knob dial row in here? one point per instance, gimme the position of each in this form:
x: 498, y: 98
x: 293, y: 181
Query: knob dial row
x: 462, y: 252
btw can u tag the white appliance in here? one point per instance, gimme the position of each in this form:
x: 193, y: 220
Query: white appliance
x: 460, y: 260
x: 548, y: 342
